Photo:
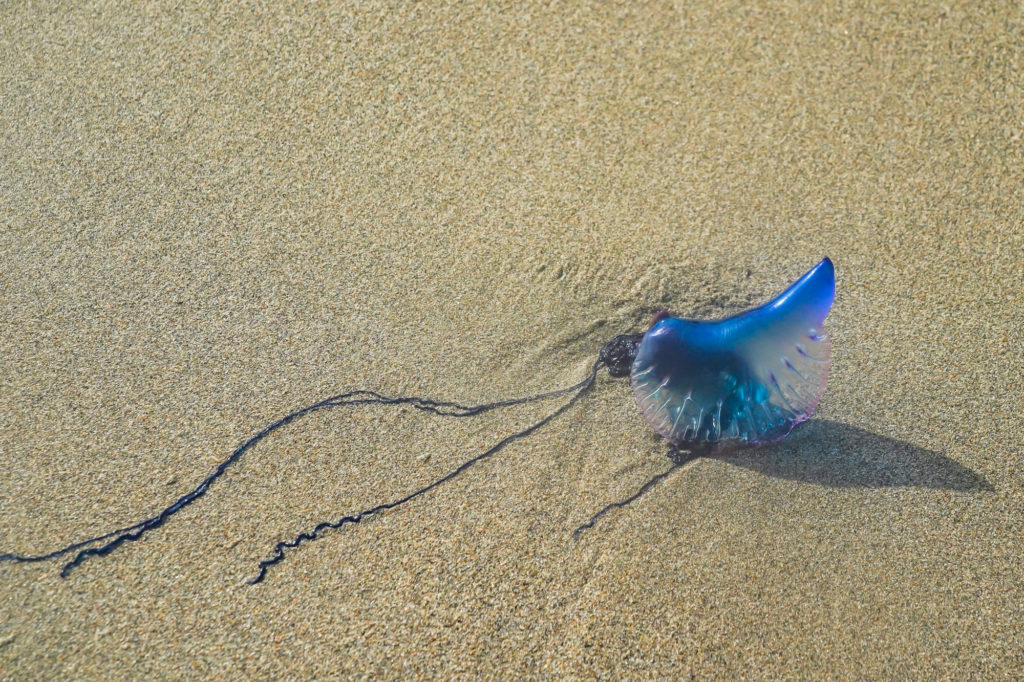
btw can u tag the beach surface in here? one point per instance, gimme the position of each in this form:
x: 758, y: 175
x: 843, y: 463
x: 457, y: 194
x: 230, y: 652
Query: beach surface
x: 214, y: 215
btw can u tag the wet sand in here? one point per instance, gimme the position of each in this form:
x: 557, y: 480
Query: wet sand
x: 211, y: 217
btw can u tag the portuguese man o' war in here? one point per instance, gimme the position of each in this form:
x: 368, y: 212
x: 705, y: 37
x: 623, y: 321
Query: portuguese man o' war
x: 705, y: 386
x: 712, y: 386
x: 745, y: 380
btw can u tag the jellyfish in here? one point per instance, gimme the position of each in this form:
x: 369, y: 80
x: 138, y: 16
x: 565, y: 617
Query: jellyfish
x: 706, y: 387
x: 745, y: 380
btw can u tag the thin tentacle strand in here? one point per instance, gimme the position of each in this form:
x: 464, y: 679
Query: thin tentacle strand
x: 311, y: 535
x: 91, y: 547
x: 651, y: 482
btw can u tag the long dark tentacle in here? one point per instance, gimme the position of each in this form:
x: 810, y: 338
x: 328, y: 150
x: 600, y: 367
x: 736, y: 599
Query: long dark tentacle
x: 677, y: 461
x: 308, y: 536
x: 135, y: 531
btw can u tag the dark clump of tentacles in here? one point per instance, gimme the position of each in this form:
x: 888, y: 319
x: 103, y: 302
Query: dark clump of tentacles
x: 619, y: 353
x: 616, y: 356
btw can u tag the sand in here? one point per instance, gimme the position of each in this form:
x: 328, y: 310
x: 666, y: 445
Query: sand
x: 213, y: 215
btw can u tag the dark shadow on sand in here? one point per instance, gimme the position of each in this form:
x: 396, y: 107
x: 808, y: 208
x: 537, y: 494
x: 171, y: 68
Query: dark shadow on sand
x: 831, y: 454
x: 843, y: 456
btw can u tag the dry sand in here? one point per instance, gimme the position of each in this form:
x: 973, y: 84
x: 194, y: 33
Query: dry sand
x: 212, y: 216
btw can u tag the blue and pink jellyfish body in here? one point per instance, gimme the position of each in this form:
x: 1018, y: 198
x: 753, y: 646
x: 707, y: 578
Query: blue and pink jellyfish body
x: 745, y: 380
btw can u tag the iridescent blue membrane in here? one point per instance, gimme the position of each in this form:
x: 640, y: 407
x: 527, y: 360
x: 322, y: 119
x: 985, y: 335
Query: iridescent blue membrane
x: 744, y: 380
